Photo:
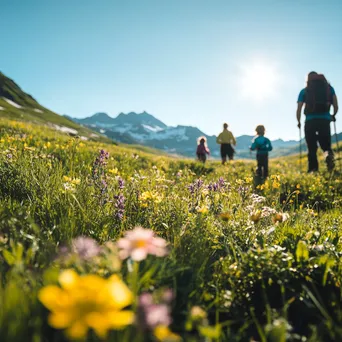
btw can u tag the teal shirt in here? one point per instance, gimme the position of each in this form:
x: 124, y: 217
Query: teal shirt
x: 261, y: 144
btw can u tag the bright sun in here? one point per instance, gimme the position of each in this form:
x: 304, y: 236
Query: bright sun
x: 258, y: 81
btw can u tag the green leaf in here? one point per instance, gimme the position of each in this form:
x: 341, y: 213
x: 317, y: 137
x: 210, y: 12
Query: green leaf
x: 210, y: 331
x: 10, y: 259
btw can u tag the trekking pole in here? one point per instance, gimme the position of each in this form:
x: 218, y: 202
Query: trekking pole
x: 337, y: 147
x: 300, y: 150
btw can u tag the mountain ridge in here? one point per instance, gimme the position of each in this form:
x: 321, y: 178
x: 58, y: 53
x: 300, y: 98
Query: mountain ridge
x: 145, y: 129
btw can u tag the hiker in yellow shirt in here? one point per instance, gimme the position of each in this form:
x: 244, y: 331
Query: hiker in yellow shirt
x: 226, y: 139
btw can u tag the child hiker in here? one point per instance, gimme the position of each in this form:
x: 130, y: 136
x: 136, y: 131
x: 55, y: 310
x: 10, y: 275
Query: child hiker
x: 262, y: 145
x: 202, y: 149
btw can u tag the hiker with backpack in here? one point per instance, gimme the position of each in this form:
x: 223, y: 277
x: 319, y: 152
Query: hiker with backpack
x: 226, y: 139
x: 202, y: 149
x: 262, y: 145
x: 318, y: 96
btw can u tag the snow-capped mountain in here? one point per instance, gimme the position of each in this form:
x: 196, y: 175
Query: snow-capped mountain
x: 145, y: 129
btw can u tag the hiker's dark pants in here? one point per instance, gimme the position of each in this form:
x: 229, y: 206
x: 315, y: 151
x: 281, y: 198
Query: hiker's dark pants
x: 317, y: 131
x: 201, y: 157
x: 262, y: 169
x: 227, y: 150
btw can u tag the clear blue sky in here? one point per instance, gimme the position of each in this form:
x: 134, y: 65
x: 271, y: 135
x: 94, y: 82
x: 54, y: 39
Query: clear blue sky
x: 180, y: 60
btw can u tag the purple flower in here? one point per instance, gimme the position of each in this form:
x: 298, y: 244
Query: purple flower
x: 221, y: 182
x: 120, y: 206
x: 99, y: 177
x: 196, y: 186
x: 191, y: 189
x: 121, y: 183
x: 199, y: 183
x: 85, y: 247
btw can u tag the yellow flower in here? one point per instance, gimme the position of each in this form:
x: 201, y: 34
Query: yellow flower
x: 249, y: 180
x: 76, y: 181
x: 275, y: 184
x: 202, y: 210
x: 84, y: 302
x: 150, y: 196
x: 255, y: 217
x: 164, y: 334
x: 225, y: 217
x: 114, y: 171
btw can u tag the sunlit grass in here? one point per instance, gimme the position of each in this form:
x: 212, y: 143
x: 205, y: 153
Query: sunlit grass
x: 243, y: 260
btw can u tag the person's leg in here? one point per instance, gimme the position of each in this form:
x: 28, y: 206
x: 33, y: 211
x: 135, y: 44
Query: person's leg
x: 310, y: 130
x: 203, y: 158
x: 259, y: 166
x: 230, y: 152
x: 223, y: 154
x: 265, y: 162
x: 324, y: 139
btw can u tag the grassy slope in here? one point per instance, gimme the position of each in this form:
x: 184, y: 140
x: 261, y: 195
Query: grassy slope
x: 230, y: 268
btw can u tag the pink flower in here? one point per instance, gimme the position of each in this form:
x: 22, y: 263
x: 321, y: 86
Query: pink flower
x: 154, y: 311
x: 140, y: 242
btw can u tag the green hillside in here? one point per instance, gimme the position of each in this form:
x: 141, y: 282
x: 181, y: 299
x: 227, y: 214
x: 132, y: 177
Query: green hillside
x: 15, y: 104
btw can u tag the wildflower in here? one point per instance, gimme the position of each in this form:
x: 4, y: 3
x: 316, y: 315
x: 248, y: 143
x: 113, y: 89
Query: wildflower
x: 68, y: 187
x: 257, y: 199
x: 243, y: 190
x: 267, y: 211
x: 151, y: 314
x: 255, y: 216
x: 76, y: 181
x: 225, y: 217
x: 202, y: 210
x: 114, y: 171
x: 275, y: 184
x: 221, y: 182
x: 197, y: 313
x: 280, y: 217
x: 120, y: 206
x: 140, y: 242
x: 164, y: 334
x: 99, y: 163
x: 196, y: 186
x: 150, y: 196
x: 84, y: 302
x: 85, y: 247
x: 121, y: 183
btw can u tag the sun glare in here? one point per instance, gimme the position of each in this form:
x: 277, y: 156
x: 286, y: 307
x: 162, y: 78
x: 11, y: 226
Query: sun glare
x: 258, y: 81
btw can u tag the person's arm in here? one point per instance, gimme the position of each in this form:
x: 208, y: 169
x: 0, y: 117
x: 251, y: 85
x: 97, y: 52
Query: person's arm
x: 300, y: 103
x: 335, y: 105
x: 234, y: 140
x: 253, y: 147
x: 299, y: 113
x: 218, y: 139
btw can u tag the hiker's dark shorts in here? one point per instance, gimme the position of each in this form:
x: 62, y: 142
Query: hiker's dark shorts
x: 227, y: 150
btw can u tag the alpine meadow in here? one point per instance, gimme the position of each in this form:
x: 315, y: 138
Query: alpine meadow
x: 107, y: 242
x: 170, y: 171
